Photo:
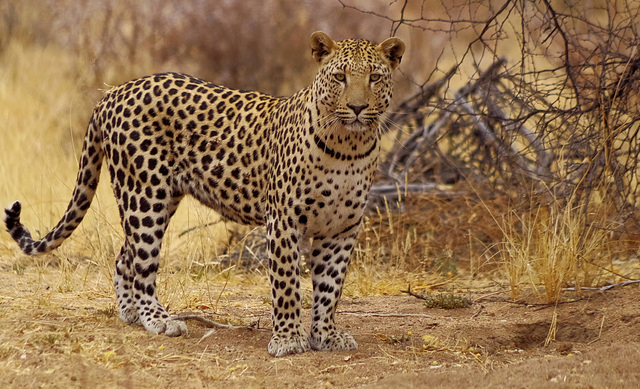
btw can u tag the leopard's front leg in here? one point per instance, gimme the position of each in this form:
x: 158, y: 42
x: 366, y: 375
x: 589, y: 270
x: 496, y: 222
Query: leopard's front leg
x: 329, y: 261
x: 284, y: 272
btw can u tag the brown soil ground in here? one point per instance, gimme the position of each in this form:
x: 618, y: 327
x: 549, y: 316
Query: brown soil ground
x: 68, y: 339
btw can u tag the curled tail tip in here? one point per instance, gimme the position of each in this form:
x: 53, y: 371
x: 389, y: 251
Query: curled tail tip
x: 12, y: 215
x: 14, y: 207
x: 17, y: 231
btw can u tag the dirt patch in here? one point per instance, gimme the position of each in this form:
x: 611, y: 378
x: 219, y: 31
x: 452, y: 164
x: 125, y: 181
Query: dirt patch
x: 69, y: 339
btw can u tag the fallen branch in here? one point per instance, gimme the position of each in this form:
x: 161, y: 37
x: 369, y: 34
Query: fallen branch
x: 393, y: 192
x: 441, y: 300
x: 478, y: 311
x: 606, y: 287
x: 394, y: 189
x: 410, y: 293
x: 213, y: 324
x: 373, y: 314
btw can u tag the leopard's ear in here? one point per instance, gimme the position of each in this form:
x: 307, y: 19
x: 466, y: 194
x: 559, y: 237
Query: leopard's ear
x: 392, y: 49
x: 321, y: 46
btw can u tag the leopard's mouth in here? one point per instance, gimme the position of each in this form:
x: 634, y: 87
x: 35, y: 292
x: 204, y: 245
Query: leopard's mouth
x: 357, y: 124
x: 354, y: 125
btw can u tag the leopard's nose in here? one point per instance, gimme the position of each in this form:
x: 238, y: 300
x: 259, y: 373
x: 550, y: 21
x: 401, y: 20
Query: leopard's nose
x: 357, y: 108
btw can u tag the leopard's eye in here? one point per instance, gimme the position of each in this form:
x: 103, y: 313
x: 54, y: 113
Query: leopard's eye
x: 374, y: 77
x: 340, y: 77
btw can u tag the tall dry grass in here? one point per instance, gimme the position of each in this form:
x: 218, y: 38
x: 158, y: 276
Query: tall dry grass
x: 555, y: 248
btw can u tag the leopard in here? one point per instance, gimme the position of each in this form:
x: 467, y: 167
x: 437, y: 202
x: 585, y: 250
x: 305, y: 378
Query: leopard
x: 301, y: 166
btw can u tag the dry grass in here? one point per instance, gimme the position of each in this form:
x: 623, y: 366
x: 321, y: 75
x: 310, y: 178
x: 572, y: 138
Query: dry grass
x: 551, y: 248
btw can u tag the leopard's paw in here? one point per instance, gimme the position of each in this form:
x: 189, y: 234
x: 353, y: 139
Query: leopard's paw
x: 333, y: 341
x: 285, y: 344
x: 129, y: 315
x: 166, y: 326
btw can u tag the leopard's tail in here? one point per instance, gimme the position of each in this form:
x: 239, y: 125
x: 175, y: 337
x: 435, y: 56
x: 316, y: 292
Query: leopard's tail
x: 86, y: 184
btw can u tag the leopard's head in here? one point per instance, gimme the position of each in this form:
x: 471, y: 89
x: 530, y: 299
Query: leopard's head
x: 353, y: 85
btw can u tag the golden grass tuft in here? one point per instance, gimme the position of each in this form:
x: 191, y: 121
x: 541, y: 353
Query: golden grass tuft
x: 557, y: 246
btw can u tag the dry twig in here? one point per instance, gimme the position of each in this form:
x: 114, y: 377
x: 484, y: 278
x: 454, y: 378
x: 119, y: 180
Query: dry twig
x: 213, y: 324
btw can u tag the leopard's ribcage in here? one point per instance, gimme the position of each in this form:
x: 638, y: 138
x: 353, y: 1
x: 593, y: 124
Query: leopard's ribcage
x: 235, y: 193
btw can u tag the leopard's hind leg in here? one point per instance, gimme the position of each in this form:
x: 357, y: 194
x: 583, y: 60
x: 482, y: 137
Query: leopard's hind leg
x: 123, y: 284
x: 144, y: 221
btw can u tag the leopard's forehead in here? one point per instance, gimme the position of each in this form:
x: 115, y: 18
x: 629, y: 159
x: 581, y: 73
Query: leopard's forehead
x: 356, y: 55
x: 357, y: 50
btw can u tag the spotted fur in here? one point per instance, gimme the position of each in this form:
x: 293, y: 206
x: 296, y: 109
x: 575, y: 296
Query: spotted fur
x: 302, y: 166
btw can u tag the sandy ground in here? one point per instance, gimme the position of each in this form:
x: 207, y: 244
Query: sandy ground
x: 57, y: 338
